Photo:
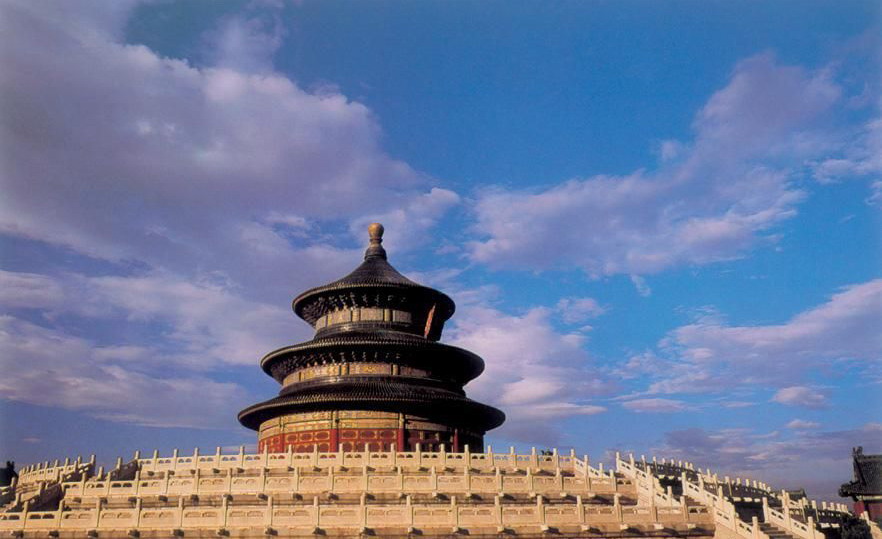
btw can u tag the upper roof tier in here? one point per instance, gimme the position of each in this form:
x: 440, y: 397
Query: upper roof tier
x: 372, y: 288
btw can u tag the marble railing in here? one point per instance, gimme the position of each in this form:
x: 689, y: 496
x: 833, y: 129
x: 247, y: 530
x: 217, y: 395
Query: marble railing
x: 724, y: 511
x: 649, y: 488
x: 478, y: 461
x: 714, y: 494
x: 417, y: 471
x: 746, y: 488
x: 824, y: 513
x: 44, y: 471
x: 801, y: 510
x: 783, y: 520
x: 351, y: 481
x: 453, y: 515
x: 39, y: 493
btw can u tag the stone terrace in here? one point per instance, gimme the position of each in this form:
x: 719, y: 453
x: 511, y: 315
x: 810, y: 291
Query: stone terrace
x: 387, y: 494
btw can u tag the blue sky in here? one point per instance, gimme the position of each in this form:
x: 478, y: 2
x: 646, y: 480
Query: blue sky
x: 660, y: 220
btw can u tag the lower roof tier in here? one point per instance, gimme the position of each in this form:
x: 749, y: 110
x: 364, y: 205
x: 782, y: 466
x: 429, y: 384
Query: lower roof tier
x: 444, y: 361
x: 377, y: 393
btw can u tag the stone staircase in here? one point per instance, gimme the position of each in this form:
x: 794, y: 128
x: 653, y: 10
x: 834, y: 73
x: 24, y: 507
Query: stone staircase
x: 774, y: 532
x: 7, y: 496
x: 41, y: 487
x: 749, y: 509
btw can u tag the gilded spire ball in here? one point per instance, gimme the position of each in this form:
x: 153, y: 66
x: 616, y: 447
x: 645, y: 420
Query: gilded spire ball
x: 375, y: 248
x: 375, y: 230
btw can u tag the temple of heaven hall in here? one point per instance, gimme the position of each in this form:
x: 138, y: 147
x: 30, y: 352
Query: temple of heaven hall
x: 374, y: 377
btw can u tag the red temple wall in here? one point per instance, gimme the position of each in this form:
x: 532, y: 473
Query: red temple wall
x: 874, y: 508
x: 360, y: 430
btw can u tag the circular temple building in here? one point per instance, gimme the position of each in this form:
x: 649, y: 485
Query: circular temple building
x: 374, y: 377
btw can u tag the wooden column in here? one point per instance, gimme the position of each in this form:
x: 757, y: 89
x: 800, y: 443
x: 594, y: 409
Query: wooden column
x: 335, y: 439
x: 399, y: 439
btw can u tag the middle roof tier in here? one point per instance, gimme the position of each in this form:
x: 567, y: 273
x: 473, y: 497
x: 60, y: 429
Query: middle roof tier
x: 440, y: 361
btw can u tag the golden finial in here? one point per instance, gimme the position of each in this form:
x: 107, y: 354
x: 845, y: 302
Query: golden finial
x: 375, y: 249
x: 375, y: 230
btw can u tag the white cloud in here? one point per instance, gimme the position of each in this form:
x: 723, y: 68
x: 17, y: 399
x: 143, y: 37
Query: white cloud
x: 668, y: 150
x: 802, y: 424
x: 121, y: 154
x: 655, y: 405
x: 29, y: 290
x: 711, y: 355
x: 577, y: 310
x: 800, y: 396
x: 218, y: 175
x: 762, y: 104
x: 49, y: 368
x: 154, y: 367
x: 248, y: 41
x: 875, y: 198
x: 738, y: 404
x: 535, y: 374
x: 710, y: 200
x: 407, y: 225
x: 861, y: 155
x: 216, y: 185
x: 641, y: 286
x: 208, y: 324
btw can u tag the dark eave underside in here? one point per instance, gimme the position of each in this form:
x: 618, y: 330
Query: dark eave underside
x: 406, y: 349
x: 332, y: 384
x: 316, y: 302
x: 429, y: 402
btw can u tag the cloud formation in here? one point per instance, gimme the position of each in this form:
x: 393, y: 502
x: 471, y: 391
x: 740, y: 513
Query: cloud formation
x: 860, y: 156
x: 709, y: 354
x: 711, y: 200
x: 534, y: 373
x: 802, y: 424
x: 801, y: 396
x: 51, y: 368
x: 165, y: 340
x: 118, y: 153
x: 655, y: 405
x: 210, y: 190
x: 576, y: 310
x: 204, y: 324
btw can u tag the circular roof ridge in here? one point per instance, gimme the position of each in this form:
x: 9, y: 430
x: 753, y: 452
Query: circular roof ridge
x: 365, y: 340
x: 381, y: 395
x: 374, y: 272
